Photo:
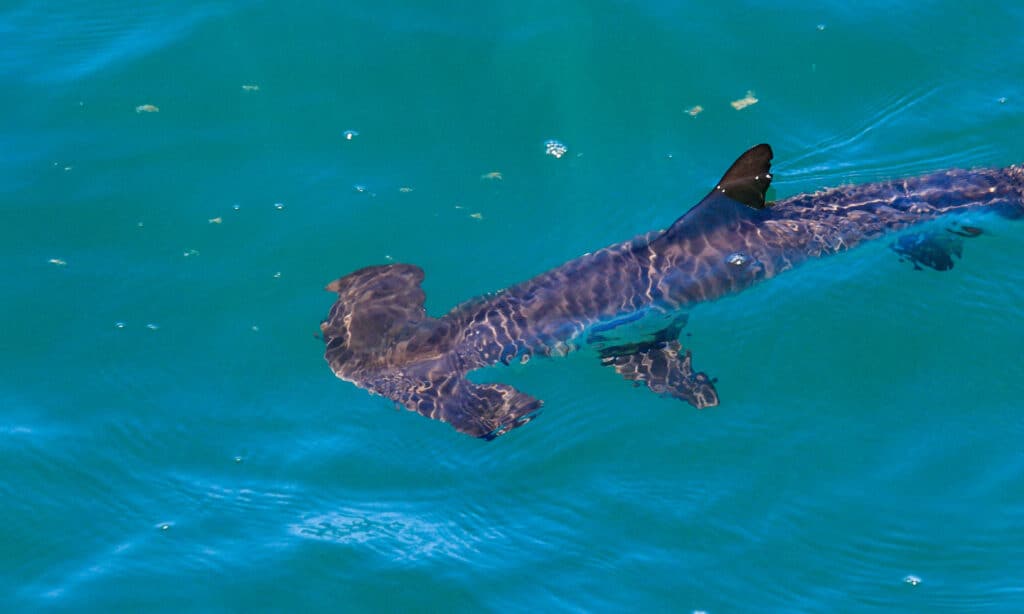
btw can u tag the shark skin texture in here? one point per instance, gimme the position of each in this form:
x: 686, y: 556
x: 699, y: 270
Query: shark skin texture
x: 379, y: 337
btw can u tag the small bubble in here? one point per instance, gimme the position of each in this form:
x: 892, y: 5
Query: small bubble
x: 255, y: 328
x: 140, y: 224
x: 152, y: 326
x: 279, y: 206
x: 238, y: 459
x: 821, y: 27
x: 1002, y: 100
x: 553, y: 147
x: 389, y: 257
x: 236, y: 206
x: 277, y: 275
x: 912, y: 580
x: 351, y: 134
x: 119, y: 325
x: 165, y: 526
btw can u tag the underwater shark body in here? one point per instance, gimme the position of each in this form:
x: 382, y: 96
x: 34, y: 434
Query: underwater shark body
x: 379, y: 337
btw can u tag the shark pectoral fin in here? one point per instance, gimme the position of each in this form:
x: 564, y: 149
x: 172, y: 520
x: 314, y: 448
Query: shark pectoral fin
x: 480, y: 410
x: 664, y: 370
x: 933, y: 248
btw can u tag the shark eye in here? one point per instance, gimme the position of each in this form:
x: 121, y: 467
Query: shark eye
x: 737, y: 259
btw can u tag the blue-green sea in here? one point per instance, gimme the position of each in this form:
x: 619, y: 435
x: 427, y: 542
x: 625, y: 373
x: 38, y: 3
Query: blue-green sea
x: 179, y: 180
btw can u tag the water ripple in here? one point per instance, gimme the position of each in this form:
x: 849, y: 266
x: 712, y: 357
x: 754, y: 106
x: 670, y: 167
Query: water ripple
x: 83, y: 37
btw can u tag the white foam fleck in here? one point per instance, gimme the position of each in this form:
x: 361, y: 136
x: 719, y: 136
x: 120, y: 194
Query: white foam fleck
x: 556, y: 148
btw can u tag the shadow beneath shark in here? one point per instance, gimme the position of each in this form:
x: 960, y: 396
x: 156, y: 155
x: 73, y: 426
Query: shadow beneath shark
x: 379, y: 337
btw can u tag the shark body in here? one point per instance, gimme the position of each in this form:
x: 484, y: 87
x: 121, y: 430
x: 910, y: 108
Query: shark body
x: 379, y: 337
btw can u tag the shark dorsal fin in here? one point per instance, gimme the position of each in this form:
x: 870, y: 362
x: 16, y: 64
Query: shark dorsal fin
x: 748, y: 178
x: 740, y: 192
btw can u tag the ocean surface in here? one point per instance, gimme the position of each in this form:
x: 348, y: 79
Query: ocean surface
x: 178, y: 183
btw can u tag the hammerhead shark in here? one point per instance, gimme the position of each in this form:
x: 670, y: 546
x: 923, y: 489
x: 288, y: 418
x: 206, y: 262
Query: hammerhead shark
x: 379, y: 337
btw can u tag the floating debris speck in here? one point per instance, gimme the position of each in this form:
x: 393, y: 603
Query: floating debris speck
x: 1002, y: 100
x: 405, y: 189
x: 389, y: 257
x: 351, y: 134
x: 140, y: 224
x: 238, y: 459
x: 255, y: 328
x: 236, y: 207
x: 188, y: 253
x: 744, y: 102
x: 477, y: 216
x: 555, y: 148
x: 152, y: 326
x: 165, y: 526
x: 821, y: 27
x: 277, y: 275
x: 57, y: 261
x: 359, y: 188
x: 147, y: 108
x: 68, y: 168
x: 912, y: 580
x: 215, y: 220
x: 279, y: 206
x: 695, y: 110
x: 119, y: 325
x: 493, y: 176
x: 251, y: 87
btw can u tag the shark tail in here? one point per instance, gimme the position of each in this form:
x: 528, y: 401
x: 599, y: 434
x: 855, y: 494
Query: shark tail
x: 379, y: 337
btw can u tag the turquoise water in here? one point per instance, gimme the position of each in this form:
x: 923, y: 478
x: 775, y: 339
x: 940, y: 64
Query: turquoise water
x: 171, y: 438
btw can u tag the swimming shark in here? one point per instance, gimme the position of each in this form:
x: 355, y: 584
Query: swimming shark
x: 379, y: 337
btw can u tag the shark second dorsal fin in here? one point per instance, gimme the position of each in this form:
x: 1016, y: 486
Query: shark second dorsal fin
x: 748, y: 178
